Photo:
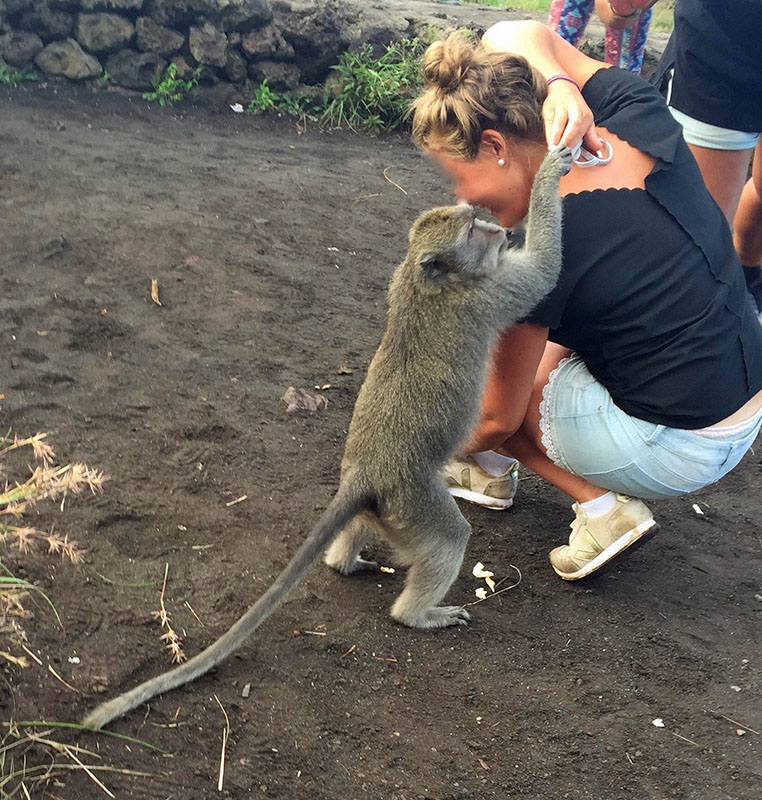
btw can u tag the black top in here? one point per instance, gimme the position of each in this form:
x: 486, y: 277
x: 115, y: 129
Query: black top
x: 715, y: 52
x: 651, y: 293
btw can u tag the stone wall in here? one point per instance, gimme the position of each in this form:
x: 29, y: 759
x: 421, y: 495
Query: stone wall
x: 289, y: 42
x: 239, y: 42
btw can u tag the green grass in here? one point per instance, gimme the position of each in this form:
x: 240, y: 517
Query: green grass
x: 12, y: 77
x: 541, y: 6
x: 660, y: 21
x: 266, y: 99
x: 365, y: 92
x: 374, y: 93
x: 663, y: 16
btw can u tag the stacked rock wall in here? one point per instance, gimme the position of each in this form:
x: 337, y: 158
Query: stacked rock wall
x: 288, y: 42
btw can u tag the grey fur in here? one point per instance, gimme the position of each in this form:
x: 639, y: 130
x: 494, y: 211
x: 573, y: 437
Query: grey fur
x: 458, y: 287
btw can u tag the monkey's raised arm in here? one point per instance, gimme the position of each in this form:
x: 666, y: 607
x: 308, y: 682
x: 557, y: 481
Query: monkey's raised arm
x: 532, y: 272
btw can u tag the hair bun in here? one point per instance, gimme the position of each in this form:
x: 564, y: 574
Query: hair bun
x: 447, y: 62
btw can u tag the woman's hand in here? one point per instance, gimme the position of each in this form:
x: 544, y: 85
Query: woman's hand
x: 621, y: 14
x: 568, y: 118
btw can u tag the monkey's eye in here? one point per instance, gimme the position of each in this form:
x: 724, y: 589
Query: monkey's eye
x: 470, y: 229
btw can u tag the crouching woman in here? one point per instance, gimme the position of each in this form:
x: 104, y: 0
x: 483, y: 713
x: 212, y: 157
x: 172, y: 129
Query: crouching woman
x: 640, y: 375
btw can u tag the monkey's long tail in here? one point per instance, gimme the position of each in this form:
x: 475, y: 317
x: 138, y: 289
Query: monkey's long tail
x: 343, y: 508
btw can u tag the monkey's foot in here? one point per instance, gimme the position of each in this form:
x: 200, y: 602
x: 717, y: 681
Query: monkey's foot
x: 346, y: 566
x: 439, y: 617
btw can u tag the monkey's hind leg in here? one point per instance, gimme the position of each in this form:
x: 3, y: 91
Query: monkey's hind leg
x: 344, y: 554
x: 434, y: 546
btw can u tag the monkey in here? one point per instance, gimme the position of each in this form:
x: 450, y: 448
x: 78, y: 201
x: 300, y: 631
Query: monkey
x: 458, y: 287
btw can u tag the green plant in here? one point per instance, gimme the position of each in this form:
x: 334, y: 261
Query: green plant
x: 12, y: 77
x: 266, y: 99
x: 374, y: 93
x: 168, y: 88
x: 296, y: 104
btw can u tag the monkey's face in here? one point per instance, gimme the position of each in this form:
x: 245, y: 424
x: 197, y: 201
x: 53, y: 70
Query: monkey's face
x: 451, y: 244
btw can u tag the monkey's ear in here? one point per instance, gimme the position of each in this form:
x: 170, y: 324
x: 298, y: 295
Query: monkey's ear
x: 432, y: 268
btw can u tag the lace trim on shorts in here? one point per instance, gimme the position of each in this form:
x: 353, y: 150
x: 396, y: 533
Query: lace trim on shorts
x: 545, y: 410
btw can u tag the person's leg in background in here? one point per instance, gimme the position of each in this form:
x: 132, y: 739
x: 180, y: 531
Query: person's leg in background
x: 724, y: 173
x: 625, y: 48
x: 723, y: 156
x: 747, y: 229
x: 569, y: 18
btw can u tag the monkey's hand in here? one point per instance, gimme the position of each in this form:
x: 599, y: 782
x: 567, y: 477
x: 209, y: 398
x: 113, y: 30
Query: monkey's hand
x: 558, y: 158
x: 533, y: 270
x: 543, y: 232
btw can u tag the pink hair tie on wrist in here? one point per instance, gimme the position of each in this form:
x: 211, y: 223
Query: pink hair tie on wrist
x: 563, y: 78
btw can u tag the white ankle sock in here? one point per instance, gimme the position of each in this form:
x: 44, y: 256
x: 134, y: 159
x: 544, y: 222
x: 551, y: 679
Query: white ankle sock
x: 599, y: 505
x: 493, y: 463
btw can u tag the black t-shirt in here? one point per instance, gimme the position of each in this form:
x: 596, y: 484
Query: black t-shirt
x: 651, y: 293
x: 716, y: 53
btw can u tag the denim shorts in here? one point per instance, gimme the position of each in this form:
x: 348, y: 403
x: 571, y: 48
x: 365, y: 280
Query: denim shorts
x: 587, y: 434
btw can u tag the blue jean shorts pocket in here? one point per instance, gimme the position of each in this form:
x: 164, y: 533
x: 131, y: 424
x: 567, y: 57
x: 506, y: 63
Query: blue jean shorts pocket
x: 649, y: 483
x: 587, y: 434
x: 657, y: 461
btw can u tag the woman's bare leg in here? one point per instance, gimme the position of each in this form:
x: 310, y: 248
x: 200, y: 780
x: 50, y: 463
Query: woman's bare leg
x: 526, y: 444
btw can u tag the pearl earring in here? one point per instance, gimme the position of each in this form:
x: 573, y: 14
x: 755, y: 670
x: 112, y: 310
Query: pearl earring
x: 501, y: 162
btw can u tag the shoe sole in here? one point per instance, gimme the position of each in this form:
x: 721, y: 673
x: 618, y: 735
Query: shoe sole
x: 492, y: 503
x: 630, y: 541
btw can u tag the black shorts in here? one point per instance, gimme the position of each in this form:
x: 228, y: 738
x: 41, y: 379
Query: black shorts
x: 714, y: 51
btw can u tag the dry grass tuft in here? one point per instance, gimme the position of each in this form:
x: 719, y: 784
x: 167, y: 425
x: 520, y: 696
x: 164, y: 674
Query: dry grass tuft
x: 32, y: 760
x: 47, y: 481
x: 171, y: 638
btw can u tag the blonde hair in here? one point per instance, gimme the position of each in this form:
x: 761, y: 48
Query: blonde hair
x: 468, y: 89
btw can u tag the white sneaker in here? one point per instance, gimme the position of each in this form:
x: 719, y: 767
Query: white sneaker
x: 595, y: 541
x: 467, y: 480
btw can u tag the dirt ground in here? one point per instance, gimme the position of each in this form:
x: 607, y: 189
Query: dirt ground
x: 272, y: 251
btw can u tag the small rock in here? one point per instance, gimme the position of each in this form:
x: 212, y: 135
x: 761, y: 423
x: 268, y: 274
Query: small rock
x: 266, y: 43
x: 298, y: 400
x: 20, y: 49
x: 153, y: 38
x: 67, y: 58
x: 111, y: 5
x: 49, y: 24
x: 103, y: 33
x: 235, y: 66
x: 246, y: 690
x: 184, y: 69
x: 280, y: 76
x: 134, y: 70
x: 208, y: 45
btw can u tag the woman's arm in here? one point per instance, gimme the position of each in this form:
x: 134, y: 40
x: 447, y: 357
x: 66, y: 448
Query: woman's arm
x: 509, y: 385
x: 567, y: 116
